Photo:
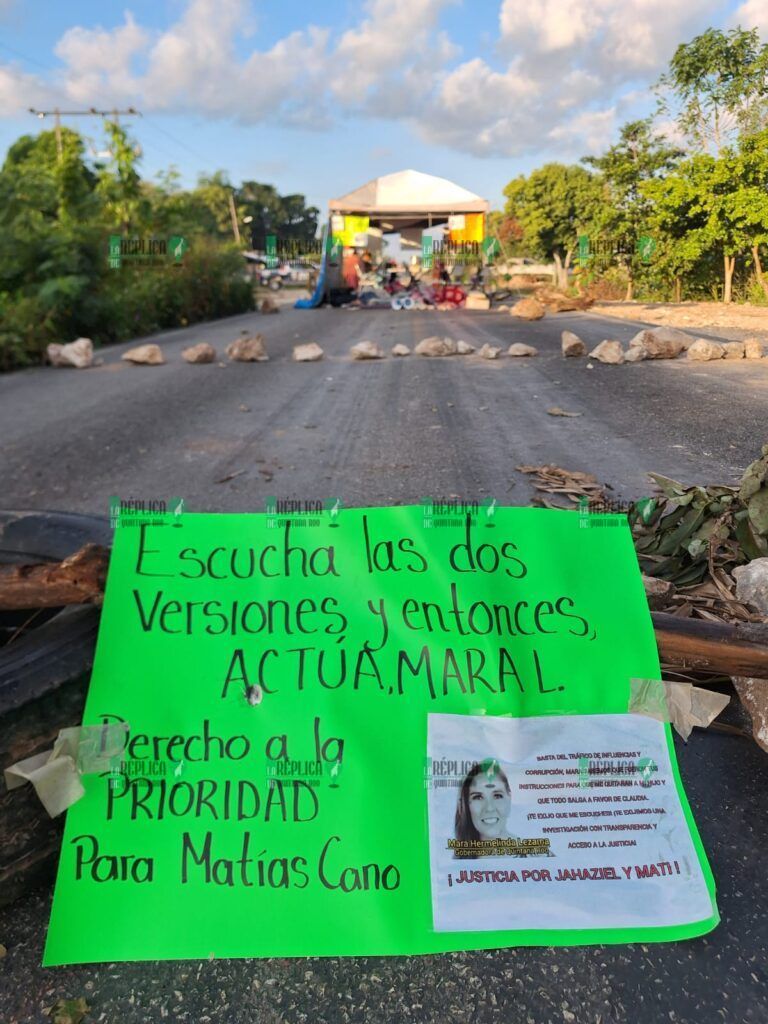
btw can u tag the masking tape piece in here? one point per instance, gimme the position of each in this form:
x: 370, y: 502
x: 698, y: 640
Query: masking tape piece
x: 681, y: 704
x: 55, y: 773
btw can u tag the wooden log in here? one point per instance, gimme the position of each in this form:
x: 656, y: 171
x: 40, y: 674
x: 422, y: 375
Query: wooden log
x: 732, y: 649
x: 79, y: 579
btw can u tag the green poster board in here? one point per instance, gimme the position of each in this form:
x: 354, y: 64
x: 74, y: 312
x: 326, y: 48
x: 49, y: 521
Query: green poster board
x: 282, y: 677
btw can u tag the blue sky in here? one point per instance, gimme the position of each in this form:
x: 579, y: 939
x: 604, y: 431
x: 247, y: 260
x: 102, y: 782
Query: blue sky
x: 319, y: 98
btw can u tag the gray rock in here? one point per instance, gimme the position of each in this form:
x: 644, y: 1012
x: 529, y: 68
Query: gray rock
x: 608, y: 352
x: 752, y: 584
x: 752, y: 588
x: 518, y: 349
x: 754, y: 348
x: 703, y: 350
x: 733, y: 349
x: 572, y: 345
x: 658, y: 592
x: 635, y: 355
x: 753, y: 694
x: 661, y: 343
x: 489, y: 351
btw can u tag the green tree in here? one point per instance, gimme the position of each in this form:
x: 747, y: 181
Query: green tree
x: 553, y: 205
x: 716, y: 87
x: 746, y: 201
x: 215, y: 192
x: 679, y: 218
x: 638, y: 157
x: 50, y: 241
x: 179, y: 211
x: 717, y: 91
x: 119, y: 183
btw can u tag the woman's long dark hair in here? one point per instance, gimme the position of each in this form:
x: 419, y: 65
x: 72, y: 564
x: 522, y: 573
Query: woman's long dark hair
x: 463, y: 828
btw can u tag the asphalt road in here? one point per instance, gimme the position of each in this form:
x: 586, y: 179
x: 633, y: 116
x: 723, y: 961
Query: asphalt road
x: 369, y: 432
x: 224, y: 438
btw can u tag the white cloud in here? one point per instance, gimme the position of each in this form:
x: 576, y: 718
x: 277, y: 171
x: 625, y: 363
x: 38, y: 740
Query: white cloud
x: 99, y: 62
x: 567, y: 70
x: 620, y: 37
x: 20, y: 91
x: 753, y: 14
x: 588, y: 132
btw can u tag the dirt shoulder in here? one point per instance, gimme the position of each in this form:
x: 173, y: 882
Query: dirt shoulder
x: 736, y: 321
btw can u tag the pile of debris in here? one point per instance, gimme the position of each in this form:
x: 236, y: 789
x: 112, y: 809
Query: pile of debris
x: 703, y: 552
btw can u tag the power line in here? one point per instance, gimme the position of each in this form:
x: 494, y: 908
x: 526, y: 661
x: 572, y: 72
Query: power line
x: 57, y: 115
x: 179, y: 142
x: 78, y: 113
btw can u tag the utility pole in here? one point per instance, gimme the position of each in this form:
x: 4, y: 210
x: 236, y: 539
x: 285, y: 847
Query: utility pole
x: 57, y: 115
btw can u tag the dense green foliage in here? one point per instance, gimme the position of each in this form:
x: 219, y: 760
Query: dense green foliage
x: 704, y: 203
x: 57, y: 212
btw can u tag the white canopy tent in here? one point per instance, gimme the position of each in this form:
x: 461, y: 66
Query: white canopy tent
x: 408, y: 199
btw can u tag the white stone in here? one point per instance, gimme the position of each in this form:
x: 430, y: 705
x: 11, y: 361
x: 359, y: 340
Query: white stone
x: 78, y: 354
x: 145, y: 355
x: 200, y: 353
x: 528, y: 309
x: 366, y: 350
x: 477, y: 300
x: 435, y: 346
x: 309, y: 353
x: 248, y: 350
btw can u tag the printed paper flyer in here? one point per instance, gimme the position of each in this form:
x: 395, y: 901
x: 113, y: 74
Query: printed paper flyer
x: 563, y: 822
